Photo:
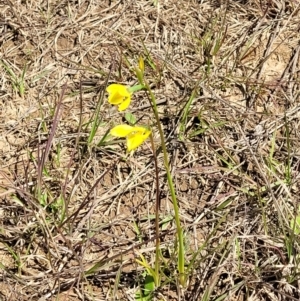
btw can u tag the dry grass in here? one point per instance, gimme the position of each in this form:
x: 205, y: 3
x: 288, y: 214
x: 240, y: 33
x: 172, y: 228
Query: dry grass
x: 74, y: 214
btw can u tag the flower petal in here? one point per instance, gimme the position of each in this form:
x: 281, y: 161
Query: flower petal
x: 113, y: 88
x: 139, y: 129
x: 125, y: 104
x: 117, y: 94
x: 122, y: 130
x: 135, y: 139
x: 115, y: 98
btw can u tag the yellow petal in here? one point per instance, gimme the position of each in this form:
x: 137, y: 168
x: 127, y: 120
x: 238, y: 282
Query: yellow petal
x: 113, y: 88
x: 135, y: 139
x: 122, y: 130
x: 117, y: 94
x: 139, y: 129
x: 125, y: 104
x: 115, y: 98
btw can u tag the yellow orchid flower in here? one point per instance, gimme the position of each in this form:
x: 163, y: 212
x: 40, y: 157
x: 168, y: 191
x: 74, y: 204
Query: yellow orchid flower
x: 135, y: 135
x: 119, y: 95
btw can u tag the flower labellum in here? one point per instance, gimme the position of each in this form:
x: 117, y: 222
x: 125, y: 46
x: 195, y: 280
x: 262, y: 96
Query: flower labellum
x: 135, y: 135
x: 119, y: 95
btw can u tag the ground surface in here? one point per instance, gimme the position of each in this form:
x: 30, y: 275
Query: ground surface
x: 76, y: 212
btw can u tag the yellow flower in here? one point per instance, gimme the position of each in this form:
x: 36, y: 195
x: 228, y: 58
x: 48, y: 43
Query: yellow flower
x: 135, y: 135
x: 119, y: 95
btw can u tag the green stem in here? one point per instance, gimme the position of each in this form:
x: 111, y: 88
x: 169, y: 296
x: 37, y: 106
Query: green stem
x: 171, y: 187
x: 157, y: 206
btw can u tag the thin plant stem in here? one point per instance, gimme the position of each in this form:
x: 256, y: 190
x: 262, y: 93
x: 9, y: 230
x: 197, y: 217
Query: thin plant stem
x: 171, y: 187
x: 157, y: 207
